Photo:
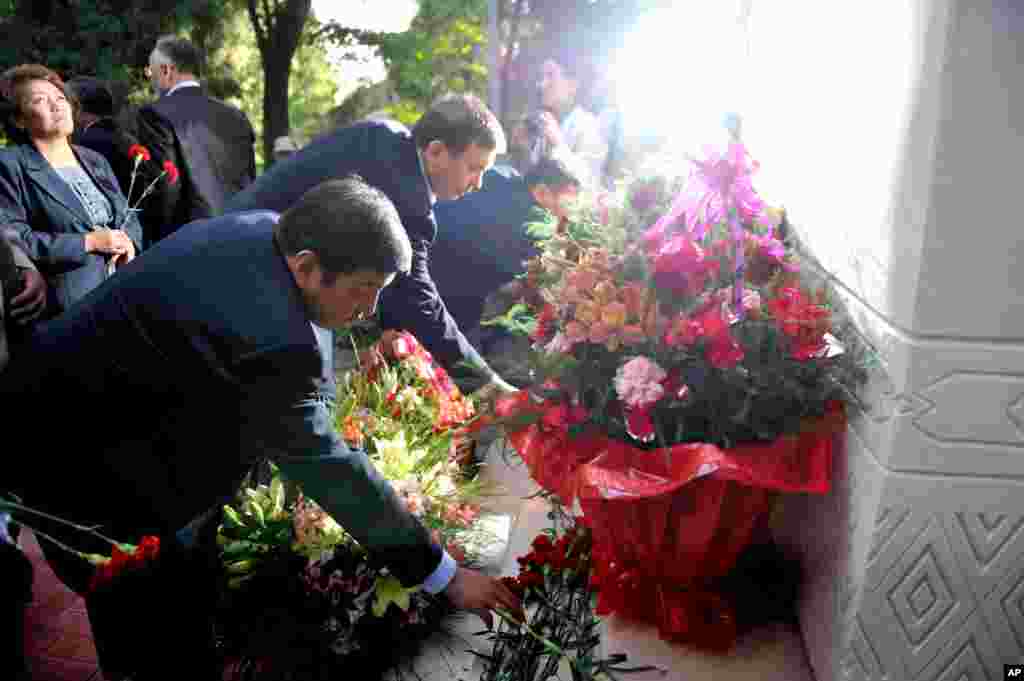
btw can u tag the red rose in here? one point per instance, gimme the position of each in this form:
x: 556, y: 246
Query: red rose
x: 172, y: 172
x: 138, y: 153
x: 542, y: 543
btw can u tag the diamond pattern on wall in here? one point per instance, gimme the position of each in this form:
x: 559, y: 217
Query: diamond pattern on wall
x: 988, y: 546
x: 921, y: 598
x: 919, y: 606
x: 895, y: 529
x: 1004, y: 612
x: 967, y: 656
x: 860, y: 663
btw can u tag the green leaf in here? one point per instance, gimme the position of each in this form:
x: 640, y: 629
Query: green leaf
x: 389, y: 590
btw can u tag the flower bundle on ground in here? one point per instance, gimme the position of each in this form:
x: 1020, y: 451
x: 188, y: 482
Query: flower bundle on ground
x: 561, y: 635
x: 302, y: 598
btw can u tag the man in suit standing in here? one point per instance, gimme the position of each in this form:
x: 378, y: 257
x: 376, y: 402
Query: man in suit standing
x: 95, y: 127
x: 213, y: 370
x: 211, y: 143
x: 444, y: 156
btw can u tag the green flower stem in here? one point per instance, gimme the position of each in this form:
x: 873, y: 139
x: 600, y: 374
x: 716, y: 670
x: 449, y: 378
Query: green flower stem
x: 545, y: 642
x: 58, y: 544
x: 81, y: 528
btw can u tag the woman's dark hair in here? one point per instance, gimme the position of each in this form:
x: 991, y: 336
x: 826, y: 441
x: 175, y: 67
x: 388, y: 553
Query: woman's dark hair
x: 11, y: 82
x: 93, y: 95
x: 351, y: 227
x: 555, y: 172
x: 182, y: 53
x: 459, y: 120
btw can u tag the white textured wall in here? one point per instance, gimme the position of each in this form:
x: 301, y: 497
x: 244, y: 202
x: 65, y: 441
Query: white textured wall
x: 889, y: 130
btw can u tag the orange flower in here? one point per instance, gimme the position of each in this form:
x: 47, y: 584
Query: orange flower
x: 634, y: 295
x: 587, y: 312
x: 605, y: 292
x: 351, y: 431
x: 614, y: 315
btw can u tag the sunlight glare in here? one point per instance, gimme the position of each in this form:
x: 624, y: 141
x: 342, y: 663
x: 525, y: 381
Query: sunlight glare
x: 678, y: 75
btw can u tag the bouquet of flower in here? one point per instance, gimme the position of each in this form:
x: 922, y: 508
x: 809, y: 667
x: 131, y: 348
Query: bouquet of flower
x: 398, y: 387
x: 561, y: 634
x: 676, y: 312
x: 687, y: 364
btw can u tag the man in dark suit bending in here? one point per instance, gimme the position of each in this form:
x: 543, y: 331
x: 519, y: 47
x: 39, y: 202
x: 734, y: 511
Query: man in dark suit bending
x: 210, y: 353
x: 444, y: 156
x: 210, y: 142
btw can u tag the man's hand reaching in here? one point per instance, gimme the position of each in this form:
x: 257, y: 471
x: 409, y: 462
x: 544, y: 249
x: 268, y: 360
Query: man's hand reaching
x: 478, y: 593
x: 494, y: 388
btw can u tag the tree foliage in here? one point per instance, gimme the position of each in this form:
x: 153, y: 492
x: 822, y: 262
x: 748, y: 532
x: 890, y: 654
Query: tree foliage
x: 109, y: 39
x: 444, y: 50
x: 278, y: 26
x: 313, y: 79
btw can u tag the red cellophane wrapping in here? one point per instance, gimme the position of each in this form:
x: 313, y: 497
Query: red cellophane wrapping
x: 667, y: 521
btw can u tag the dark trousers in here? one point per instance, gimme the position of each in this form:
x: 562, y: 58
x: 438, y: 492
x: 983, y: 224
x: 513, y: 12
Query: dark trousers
x: 16, y: 590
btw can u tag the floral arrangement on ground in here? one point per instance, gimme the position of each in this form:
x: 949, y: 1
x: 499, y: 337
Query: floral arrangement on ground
x: 303, y: 600
x: 688, y: 364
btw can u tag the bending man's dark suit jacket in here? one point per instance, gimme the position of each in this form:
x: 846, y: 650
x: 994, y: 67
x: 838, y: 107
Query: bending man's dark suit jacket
x: 210, y: 142
x: 384, y: 155
x: 51, y: 223
x: 482, y: 243
x: 193, y: 362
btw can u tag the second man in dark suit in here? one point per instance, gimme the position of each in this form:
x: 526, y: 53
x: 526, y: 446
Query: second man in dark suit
x: 210, y: 142
x: 444, y: 156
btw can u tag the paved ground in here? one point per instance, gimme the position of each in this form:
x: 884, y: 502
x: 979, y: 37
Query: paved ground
x: 58, y: 641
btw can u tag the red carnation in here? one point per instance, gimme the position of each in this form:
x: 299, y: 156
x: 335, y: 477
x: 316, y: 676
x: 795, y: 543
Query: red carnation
x: 542, y: 543
x: 172, y: 172
x: 136, y: 151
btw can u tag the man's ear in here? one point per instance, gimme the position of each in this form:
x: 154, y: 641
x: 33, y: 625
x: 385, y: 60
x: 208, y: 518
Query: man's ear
x: 436, y: 151
x: 306, y: 264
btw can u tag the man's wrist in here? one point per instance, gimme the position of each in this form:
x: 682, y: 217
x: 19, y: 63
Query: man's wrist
x: 441, y: 577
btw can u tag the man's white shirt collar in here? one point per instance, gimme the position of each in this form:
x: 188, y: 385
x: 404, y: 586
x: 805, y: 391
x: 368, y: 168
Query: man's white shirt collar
x: 423, y: 169
x: 183, y: 84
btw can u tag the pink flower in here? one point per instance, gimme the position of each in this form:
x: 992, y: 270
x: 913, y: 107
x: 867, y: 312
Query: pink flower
x: 560, y: 344
x: 575, y: 332
x: 600, y: 332
x: 680, y: 266
x: 402, y: 347
x: 718, y: 181
x: 638, y: 382
x: 582, y: 279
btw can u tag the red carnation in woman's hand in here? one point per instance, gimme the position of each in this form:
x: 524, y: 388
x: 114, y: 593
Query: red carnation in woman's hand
x: 139, y: 153
x: 172, y: 172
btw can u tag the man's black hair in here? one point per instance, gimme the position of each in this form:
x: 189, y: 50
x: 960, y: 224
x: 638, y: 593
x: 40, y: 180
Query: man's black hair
x: 93, y: 95
x: 555, y: 172
x: 459, y: 120
x: 351, y: 227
